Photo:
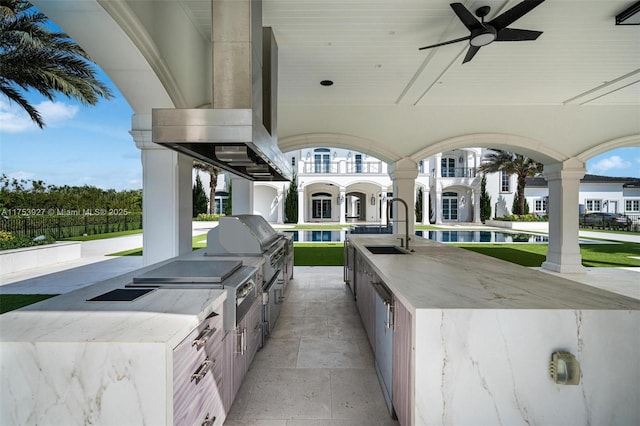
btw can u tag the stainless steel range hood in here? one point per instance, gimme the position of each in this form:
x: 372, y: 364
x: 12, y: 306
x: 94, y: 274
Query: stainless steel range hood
x: 239, y: 133
x: 227, y: 138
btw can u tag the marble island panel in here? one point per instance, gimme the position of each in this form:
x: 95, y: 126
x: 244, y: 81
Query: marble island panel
x: 483, y: 331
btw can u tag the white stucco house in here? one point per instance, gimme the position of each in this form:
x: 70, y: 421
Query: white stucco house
x: 345, y: 186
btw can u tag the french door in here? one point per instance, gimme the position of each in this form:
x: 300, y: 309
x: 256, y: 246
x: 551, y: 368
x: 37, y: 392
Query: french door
x: 449, y: 206
x: 321, y: 209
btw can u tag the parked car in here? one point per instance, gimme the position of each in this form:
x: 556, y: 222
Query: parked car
x: 605, y: 220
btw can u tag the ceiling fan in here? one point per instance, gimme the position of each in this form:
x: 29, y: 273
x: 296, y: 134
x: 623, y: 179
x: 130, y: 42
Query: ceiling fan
x: 484, y: 33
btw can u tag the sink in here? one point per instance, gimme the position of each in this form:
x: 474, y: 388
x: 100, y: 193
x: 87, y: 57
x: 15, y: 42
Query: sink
x: 386, y: 250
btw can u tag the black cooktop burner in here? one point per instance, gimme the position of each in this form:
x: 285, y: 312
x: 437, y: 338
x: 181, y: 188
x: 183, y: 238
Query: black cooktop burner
x: 121, y: 295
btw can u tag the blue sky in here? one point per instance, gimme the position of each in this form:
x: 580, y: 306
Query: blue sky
x: 80, y: 145
x: 92, y: 146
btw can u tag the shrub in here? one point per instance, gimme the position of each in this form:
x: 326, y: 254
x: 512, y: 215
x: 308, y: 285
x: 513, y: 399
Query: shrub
x: 206, y: 217
x: 9, y: 241
x: 523, y: 218
x: 485, y: 200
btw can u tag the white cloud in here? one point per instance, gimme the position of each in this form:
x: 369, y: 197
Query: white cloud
x: 54, y: 113
x: 19, y: 175
x: 604, y: 165
x: 13, y: 119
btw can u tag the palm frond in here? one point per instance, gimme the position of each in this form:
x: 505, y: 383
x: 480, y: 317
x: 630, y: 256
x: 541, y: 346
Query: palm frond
x: 15, y: 96
x: 32, y: 57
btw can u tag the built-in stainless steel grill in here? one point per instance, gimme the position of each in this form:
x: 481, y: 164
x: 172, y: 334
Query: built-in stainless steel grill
x: 252, y: 235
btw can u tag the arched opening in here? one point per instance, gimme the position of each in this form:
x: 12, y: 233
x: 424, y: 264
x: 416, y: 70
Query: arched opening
x: 355, y: 207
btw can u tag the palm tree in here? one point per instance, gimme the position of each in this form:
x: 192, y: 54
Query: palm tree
x: 213, y: 180
x: 33, y: 57
x: 512, y: 164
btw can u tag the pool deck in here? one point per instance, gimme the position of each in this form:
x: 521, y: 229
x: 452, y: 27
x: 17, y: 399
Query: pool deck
x: 94, y: 266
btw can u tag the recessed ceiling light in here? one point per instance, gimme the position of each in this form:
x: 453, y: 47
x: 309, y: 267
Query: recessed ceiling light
x: 326, y: 82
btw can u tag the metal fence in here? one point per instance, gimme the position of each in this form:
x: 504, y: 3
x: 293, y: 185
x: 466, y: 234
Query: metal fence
x: 66, y: 226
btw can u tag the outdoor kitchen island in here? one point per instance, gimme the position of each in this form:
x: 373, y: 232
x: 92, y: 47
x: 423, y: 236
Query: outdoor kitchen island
x: 168, y: 356
x: 472, y: 338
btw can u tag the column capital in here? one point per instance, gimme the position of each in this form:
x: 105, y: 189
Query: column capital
x: 569, y: 169
x: 405, y: 168
x: 141, y: 132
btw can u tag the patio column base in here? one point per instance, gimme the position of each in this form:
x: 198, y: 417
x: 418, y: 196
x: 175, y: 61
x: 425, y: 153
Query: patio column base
x: 564, y: 268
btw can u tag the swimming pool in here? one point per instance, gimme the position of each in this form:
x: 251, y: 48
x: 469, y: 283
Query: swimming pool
x: 443, y: 236
x: 317, y: 236
x: 456, y: 236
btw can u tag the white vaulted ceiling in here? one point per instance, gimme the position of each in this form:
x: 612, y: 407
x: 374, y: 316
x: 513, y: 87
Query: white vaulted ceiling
x: 370, y: 49
x: 572, y: 91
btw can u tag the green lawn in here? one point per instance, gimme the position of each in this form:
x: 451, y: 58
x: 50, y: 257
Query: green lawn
x: 593, y: 255
x: 318, y: 254
x: 9, y: 302
x: 103, y: 236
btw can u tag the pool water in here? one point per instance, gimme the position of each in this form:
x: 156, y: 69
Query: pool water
x: 317, y: 236
x: 454, y: 236
x: 443, y: 236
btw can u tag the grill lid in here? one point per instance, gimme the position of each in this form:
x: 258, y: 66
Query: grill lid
x: 241, y: 234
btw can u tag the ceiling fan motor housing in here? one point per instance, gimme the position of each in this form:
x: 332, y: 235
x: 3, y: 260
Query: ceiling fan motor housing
x: 483, y: 36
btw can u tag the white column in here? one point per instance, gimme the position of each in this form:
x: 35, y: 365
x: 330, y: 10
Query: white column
x: 343, y: 206
x: 476, y: 205
x: 563, y: 254
x: 282, y: 194
x: 301, y: 203
x: 438, y: 171
x: 404, y: 174
x: 437, y: 204
x: 166, y: 197
x: 425, y: 206
x: 382, y: 213
x: 383, y: 209
x: 241, y: 195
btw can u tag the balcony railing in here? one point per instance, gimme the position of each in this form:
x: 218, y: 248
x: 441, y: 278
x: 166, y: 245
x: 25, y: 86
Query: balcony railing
x: 456, y: 172
x: 343, y: 167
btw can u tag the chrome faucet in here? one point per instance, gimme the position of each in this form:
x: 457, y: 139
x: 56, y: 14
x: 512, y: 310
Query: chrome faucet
x: 406, y: 216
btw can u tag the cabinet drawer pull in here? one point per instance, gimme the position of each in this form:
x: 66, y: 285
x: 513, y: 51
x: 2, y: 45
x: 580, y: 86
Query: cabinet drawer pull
x: 202, y: 338
x: 202, y: 370
x: 241, y: 343
x: 208, y: 421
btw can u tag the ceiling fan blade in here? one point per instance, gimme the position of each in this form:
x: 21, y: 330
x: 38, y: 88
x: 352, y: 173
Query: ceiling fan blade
x: 516, y: 12
x: 471, y: 53
x: 512, y: 34
x: 467, y: 18
x: 446, y: 42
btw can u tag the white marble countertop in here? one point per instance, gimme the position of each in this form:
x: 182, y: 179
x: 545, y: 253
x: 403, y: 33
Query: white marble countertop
x: 161, y: 316
x: 440, y: 276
